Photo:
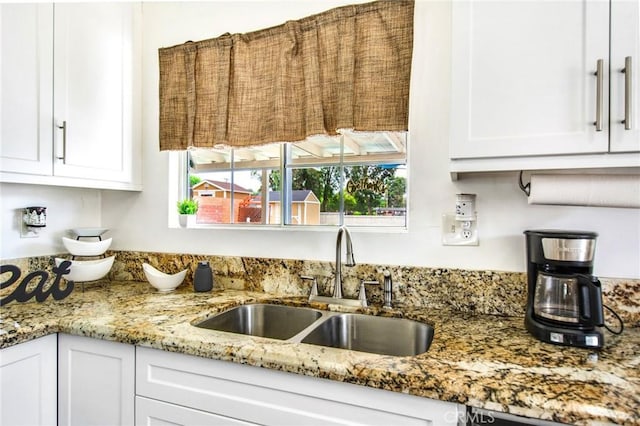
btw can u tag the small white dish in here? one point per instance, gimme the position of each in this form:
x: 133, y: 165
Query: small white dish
x: 161, y: 281
x: 89, y: 232
x: 87, y: 270
x: 86, y: 248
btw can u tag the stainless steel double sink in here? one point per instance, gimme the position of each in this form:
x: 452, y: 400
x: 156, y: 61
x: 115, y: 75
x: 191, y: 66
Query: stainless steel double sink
x: 357, y: 332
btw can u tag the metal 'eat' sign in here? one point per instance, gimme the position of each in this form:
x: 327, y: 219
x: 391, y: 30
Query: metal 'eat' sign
x: 22, y: 293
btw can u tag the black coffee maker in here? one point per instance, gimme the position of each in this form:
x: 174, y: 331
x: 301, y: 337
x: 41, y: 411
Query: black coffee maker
x: 564, y: 301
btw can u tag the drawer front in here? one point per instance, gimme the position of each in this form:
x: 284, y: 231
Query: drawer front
x: 265, y: 396
x: 150, y: 412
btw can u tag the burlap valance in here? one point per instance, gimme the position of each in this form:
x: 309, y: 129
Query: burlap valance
x: 348, y: 67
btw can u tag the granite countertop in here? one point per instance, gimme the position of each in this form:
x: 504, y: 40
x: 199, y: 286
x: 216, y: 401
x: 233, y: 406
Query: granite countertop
x: 480, y: 360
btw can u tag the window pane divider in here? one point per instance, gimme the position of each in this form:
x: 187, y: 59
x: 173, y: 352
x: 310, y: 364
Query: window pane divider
x: 285, y: 187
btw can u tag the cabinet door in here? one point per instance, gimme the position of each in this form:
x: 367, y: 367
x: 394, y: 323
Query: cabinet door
x: 93, y: 90
x: 26, y: 88
x: 28, y: 374
x: 625, y: 43
x: 523, y: 78
x: 95, y: 382
x: 150, y: 412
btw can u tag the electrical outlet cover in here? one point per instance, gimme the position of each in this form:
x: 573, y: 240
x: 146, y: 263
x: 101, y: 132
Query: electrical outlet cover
x: 458, y: 232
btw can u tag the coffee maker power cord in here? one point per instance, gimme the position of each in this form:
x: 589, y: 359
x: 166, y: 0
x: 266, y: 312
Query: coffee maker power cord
x: 618, y: 318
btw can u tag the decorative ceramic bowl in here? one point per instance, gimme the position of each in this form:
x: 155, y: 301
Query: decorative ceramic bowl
x: 87, y: 270
x: 86, y: 248
x: 163, y: 282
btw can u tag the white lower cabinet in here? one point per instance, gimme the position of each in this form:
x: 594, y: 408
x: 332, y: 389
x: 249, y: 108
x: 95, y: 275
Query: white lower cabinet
x: 96, y: 384
x: 28, y: 383
x: 108, y: 383
x: 183, y: 389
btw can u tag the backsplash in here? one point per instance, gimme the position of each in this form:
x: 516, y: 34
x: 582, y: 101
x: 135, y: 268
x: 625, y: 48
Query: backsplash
x: 486, y: 292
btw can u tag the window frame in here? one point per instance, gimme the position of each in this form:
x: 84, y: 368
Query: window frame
x: 179, y: 189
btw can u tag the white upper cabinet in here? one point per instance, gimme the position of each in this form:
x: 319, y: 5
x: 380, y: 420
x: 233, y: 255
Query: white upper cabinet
x: 85, y: 61
x: 530, y: 84
x: 625, y: 86
x: 26, y: 88
x: 93, y: 90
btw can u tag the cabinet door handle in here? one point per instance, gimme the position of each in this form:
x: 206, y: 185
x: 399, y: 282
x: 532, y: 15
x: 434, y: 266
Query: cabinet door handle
x: 64, y: 141
x: 628, y: 75
x: 599, y: 83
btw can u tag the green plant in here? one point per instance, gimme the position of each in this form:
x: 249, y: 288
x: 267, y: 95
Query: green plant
x: 187, y: 206
x: 194, y: 180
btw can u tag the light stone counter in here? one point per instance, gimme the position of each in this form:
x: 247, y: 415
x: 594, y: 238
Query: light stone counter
x: 476, y: 359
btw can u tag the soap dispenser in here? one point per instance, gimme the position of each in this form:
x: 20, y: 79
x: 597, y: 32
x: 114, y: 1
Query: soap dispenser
x: 203, y: 277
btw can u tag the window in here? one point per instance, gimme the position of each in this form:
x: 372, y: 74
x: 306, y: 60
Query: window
x: 355, y: 178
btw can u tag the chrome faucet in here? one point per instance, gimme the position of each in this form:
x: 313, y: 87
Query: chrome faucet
x: 337, y: 288
x: 387, y: 287
x: 337, y: 297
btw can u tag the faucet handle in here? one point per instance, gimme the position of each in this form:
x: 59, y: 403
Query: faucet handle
x: 314, y: 284
x: 362, y: 297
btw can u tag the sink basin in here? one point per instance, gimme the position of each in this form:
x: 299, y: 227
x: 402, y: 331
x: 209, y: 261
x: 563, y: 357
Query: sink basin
x: 357, y: 332
x: 380, y: 335
x: 263, y: 320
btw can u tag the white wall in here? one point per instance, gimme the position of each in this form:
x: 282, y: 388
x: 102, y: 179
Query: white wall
x: 502, y: 208
x: 139, y: 220
x: 67, y: 208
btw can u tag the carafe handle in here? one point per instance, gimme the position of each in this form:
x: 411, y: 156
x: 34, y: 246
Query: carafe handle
x: 591, y: 300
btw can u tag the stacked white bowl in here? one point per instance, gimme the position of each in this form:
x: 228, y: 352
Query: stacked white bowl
x: 87, y: 270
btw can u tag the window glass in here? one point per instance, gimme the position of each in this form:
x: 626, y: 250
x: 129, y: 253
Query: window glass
x: 228, y: 184
x: 375, y: 195
x: 314, y: 197
x: 357, y: 179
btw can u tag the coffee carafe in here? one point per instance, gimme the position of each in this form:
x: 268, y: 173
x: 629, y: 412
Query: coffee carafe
x: 564, y: 300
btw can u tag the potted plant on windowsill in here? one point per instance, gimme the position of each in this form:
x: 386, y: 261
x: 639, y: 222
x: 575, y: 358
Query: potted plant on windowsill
x: 186, y: 208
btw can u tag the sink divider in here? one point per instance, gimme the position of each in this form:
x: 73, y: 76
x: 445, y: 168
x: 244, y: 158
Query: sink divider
x: 325, y: 315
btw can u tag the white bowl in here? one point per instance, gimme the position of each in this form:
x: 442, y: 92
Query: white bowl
x: 87, y: 270
x: 163, y: 282
x: 86, y: 248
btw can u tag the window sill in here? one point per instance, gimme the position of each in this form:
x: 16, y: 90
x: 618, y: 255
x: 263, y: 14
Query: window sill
x: 294, y: 228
